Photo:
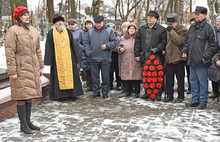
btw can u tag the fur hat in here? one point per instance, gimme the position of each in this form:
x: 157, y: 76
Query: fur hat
x: 57, y: 17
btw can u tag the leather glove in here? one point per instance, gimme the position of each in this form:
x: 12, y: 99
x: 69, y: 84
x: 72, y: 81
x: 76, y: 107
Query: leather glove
x: 153, y: 50
x: 169, y: 28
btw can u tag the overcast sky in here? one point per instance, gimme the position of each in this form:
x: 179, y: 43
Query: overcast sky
x: 32, y: 4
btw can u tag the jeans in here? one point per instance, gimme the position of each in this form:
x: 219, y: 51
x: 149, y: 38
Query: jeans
x: 95, y: 74
x: 199, y: 84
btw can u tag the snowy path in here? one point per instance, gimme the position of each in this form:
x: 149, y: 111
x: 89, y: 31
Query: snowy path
x: 117, y: 120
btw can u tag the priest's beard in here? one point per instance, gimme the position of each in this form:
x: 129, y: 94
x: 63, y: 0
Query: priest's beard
x: 60, y: 28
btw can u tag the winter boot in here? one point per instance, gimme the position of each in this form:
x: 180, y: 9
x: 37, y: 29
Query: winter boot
x: 28, y: 117
x: 21, y: 109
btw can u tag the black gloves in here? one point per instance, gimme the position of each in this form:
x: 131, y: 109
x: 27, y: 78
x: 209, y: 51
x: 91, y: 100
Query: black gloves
x: 169, y: 28
x: 153, y: 50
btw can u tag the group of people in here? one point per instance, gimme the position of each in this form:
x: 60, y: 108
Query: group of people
x: 99, y: 49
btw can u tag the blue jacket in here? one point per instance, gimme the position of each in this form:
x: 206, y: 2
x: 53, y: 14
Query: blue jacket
x: 93, y: 44
x: 81, y: 46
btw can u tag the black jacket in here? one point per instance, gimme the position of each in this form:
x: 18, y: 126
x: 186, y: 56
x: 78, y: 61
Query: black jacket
x: 201, y: 44
x: 157, y: 40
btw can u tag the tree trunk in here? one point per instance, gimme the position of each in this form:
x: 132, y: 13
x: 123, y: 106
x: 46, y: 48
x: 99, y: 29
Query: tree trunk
x: 97, y: 7
x: 1, y: 9
x: 190, y: 6
x: 147, y: 7
x: 50, y: 12
x: 116, y: 8
x: 211, y: 4
x: 73, y: 9
x: 14, y: 4
x: 181, y: 11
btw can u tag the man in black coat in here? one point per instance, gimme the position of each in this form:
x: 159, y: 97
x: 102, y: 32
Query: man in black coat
x: 200, y: 46
x: 62, y: 55
x: 150, y: 38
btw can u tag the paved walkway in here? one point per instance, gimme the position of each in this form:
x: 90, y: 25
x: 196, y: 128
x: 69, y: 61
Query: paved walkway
x: 117, y: 120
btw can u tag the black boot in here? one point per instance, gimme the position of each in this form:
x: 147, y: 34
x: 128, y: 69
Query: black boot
x: 21, y: 109
x: 158, y: 97
x: 28, y: 116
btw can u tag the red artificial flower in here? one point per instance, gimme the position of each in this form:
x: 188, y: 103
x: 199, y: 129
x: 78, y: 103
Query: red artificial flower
x: 154, y: 79
x: 144, y: 79
x: 155, y: 91
x: 149, y: 80
x: 145, y: 67
x: 152, y: 96
x: 144, y: 73
x: 152, y: 57
x: 149, y: 91
x: 160, y: 73
x: 152, y: 85
x: 156, y: 62
x: 151, y: 68
x: 160, y: 79
x: 154, y: 74
x: 149, y: 74
x: 159, y: 67
x: 159, y: 85
x: 148, y: 62
x: 146, y: 85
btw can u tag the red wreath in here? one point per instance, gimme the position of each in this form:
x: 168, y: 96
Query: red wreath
x: 152, y: 76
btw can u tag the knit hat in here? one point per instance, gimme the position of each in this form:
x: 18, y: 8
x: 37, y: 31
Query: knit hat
x: 89, y: 20
x: 218, y: 18
x: 18, y: 11
x: 57, y: 17
x: 125, y: 24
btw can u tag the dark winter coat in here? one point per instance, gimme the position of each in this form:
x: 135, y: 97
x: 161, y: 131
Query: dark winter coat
x: 144, y: 43
x: 201, y: 44
x: 214, y: 71
x: 23, y: 56
x: 175, y: 42
x: 95, y: 39
x: 81, y: 45
x: 49, y: 59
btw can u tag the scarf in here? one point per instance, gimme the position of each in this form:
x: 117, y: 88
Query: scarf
x: 63, y: 59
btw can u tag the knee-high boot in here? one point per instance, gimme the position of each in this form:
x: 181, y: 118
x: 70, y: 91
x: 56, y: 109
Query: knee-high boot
x: 21, y: 109
x: 28, y: 117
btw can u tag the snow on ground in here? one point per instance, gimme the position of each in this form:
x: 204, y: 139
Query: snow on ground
x: 117, y: 120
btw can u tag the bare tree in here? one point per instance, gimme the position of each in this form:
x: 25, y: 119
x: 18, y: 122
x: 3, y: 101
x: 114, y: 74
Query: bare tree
x: 50, y: 11
x: 16, y: 3
x: 124, y: 11
x: 73, y: 9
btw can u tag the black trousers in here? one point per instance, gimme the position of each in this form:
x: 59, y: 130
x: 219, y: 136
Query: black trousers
x: 188, y: 80
x: 117, y: 77
x: 172, y: 70
x: 215, y: 88
x: 88, y: 79
x: 130, y: 84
